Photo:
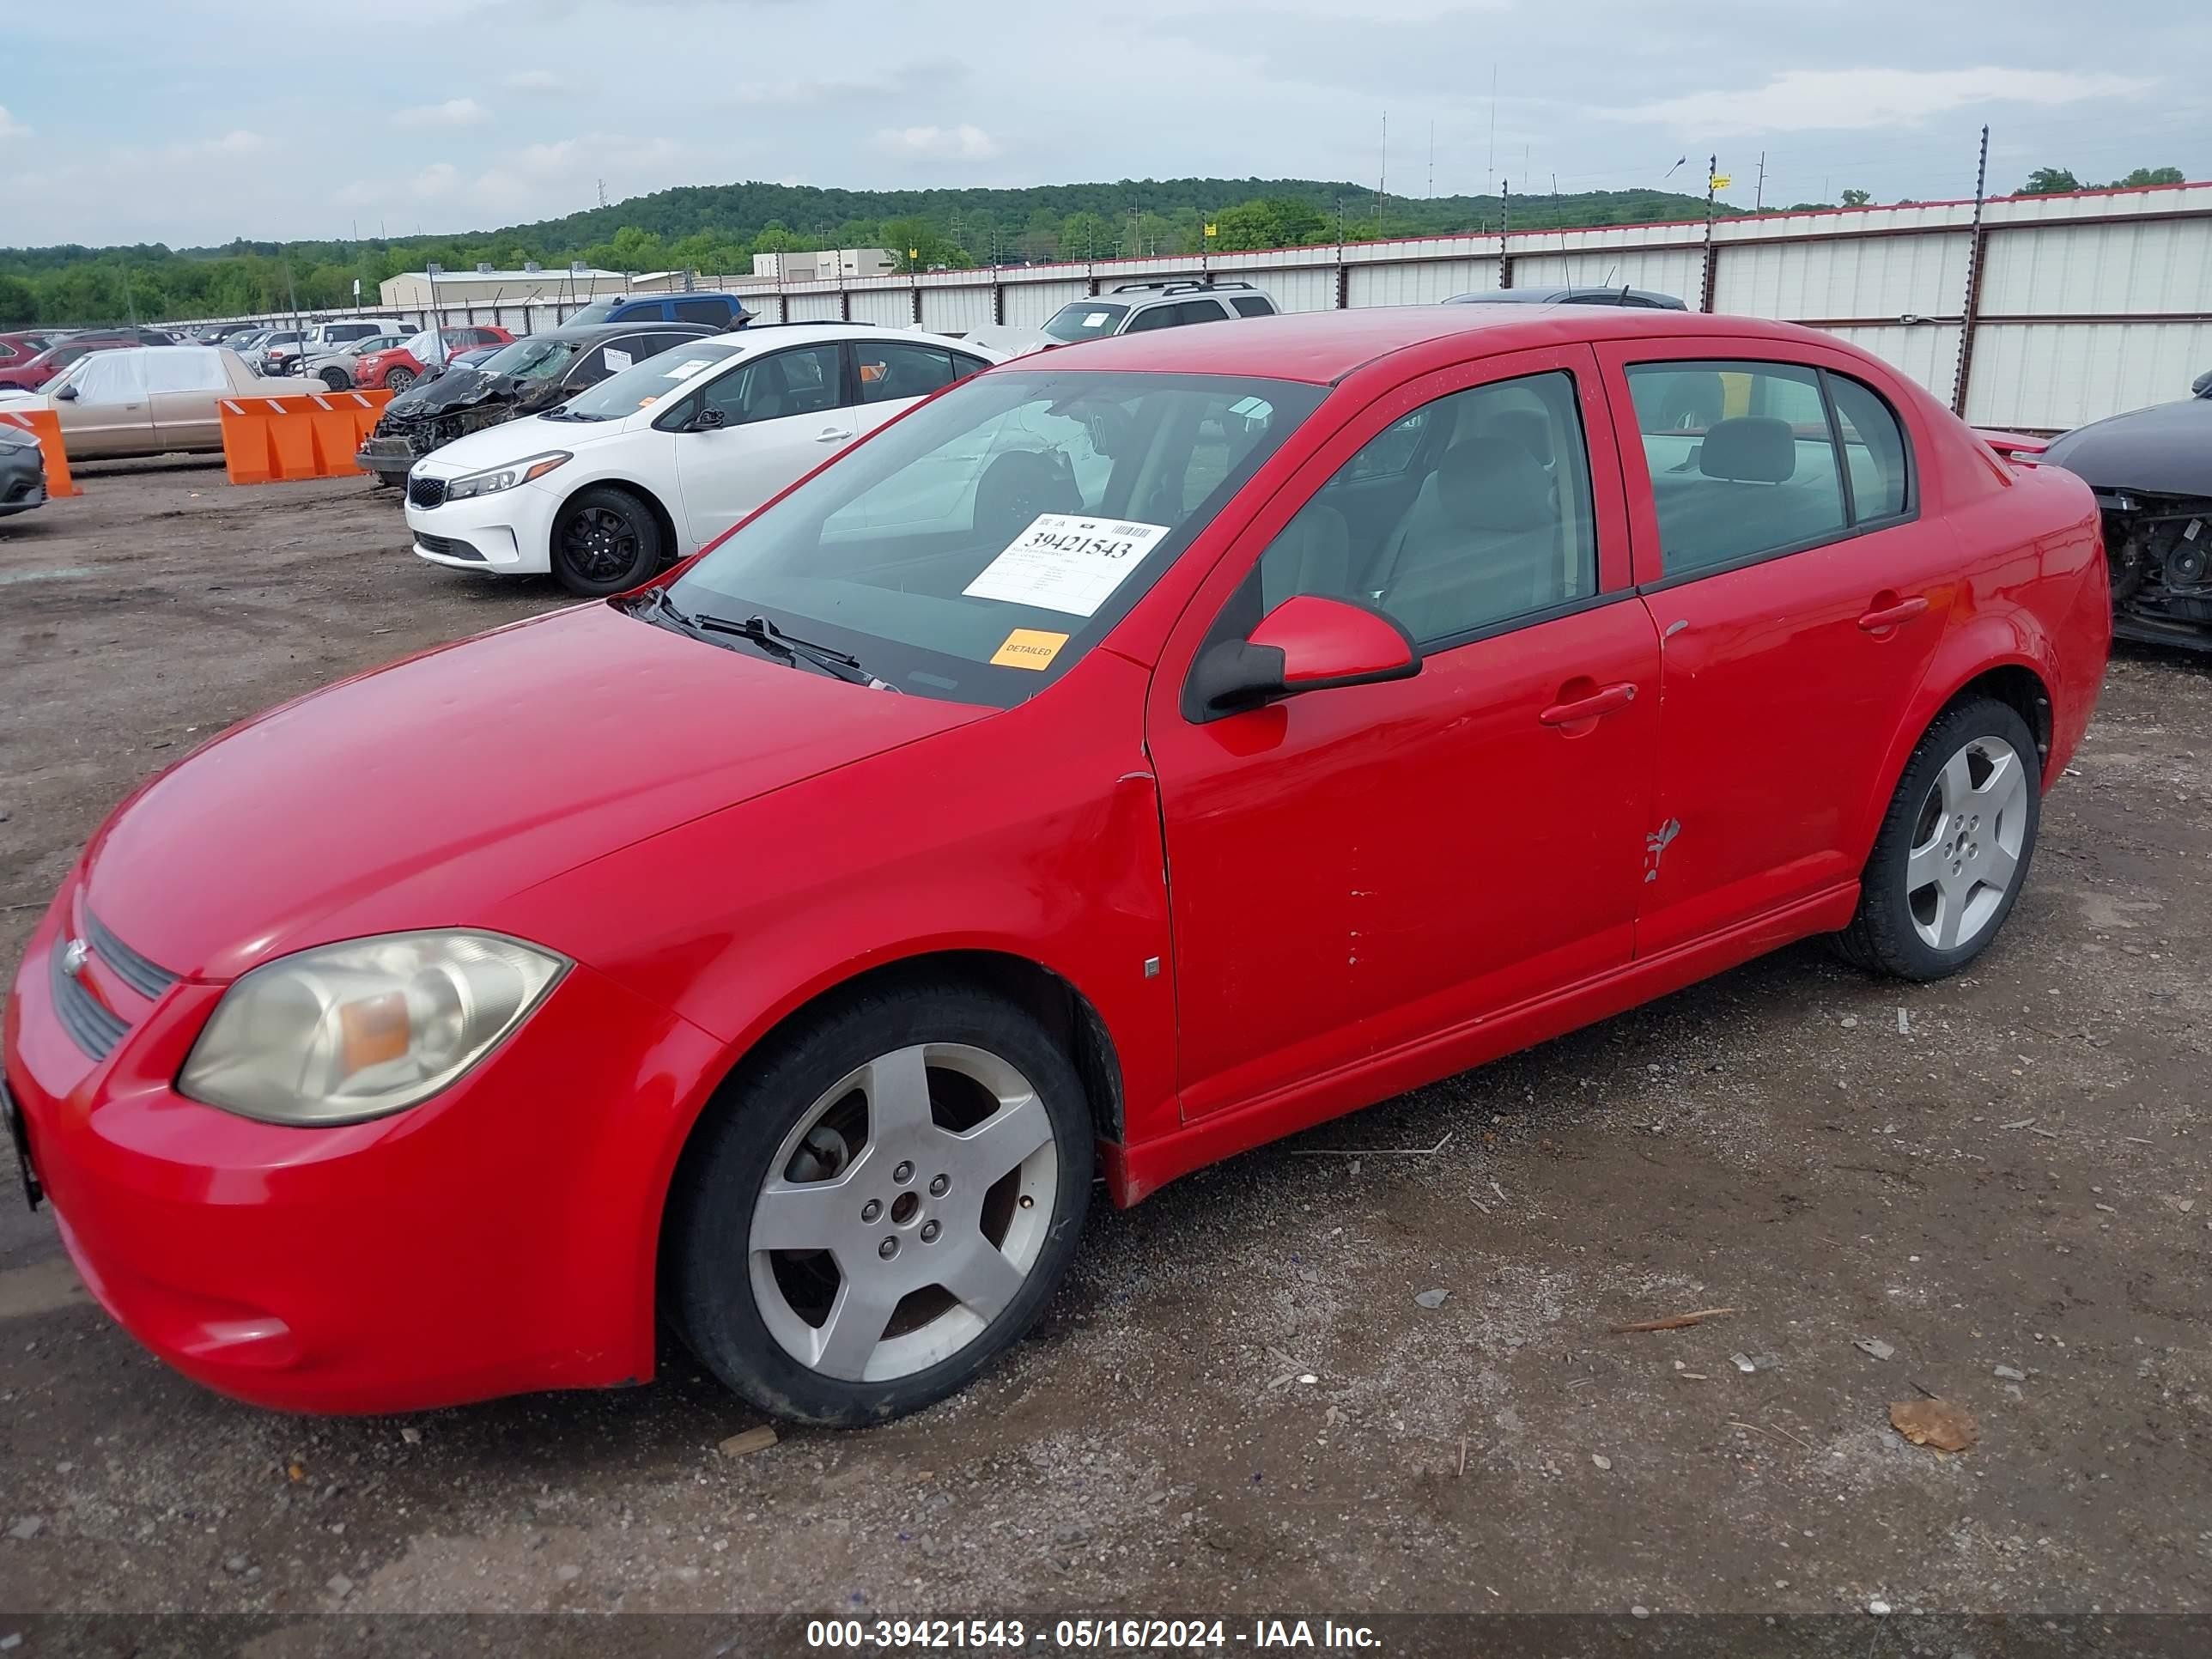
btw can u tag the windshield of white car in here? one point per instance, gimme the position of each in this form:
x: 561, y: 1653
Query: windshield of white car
x: 645, y: 384
x: 976, y: 549
x: 531, y: 359
x: 1086, y: 319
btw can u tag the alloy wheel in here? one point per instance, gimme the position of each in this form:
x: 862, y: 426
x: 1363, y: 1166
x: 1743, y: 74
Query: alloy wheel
x: 903, y: 1212
x: 1966, y: 844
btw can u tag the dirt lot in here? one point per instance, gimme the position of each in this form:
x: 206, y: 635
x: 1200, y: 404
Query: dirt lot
x: 1238, y: 1403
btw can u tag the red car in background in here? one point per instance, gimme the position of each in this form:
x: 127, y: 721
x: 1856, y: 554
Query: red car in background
x: 400, y: 367
x: 29, y: 374
x: 1363, y: 696
x: 19, y: 346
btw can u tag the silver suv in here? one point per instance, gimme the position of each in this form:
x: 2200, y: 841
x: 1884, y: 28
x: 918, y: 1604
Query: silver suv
x: 1130, y: 308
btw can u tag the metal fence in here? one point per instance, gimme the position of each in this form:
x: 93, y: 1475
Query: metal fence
x: 2035, y: 313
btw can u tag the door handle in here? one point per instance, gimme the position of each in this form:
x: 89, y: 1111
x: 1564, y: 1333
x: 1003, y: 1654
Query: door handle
x: 1889, y: 616
x: 1603, y: 701
x: 831, y: 434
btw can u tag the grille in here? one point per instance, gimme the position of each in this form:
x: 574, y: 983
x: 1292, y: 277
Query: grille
x: 94, y: 1028
x: 425, y: 492
x: 147, y: 979
x: 451, y: 547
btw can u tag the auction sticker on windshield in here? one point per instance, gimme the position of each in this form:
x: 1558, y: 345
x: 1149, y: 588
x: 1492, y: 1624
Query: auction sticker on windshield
x: 1065, y: 563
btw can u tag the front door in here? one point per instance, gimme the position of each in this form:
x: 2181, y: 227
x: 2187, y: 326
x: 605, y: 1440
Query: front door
x: 1352, y: 871
x: 109, y: 414
x: 783, y: 414
x: 1799, y: 595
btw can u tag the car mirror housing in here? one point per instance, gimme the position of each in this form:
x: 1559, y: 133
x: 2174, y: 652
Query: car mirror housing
x: 1307, y: 643
x: 2202, y: 386
x: 709, y: 419
x: 67, y: 394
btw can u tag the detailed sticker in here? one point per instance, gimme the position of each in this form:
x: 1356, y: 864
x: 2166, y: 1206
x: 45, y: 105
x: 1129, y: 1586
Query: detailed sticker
x: 1065, y: 563
x: 1028, y: 647
x: 1095, y: 319
x: 617, y: 360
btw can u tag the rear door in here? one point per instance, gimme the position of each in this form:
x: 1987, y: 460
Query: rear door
x: 1799, y: 595
x: 781, y: 415
x: 892, y: 374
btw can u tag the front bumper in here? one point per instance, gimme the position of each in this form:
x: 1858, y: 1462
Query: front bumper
x: 508, y: 534
x: 22, y: 478
x: 499, y: 1238
x: 389, y: 456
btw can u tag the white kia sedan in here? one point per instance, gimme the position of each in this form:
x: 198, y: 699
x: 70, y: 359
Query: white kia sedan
x: 660, y: 458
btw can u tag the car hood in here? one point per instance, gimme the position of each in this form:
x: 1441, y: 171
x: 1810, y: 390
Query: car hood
x: 429, y: 792
x: 2166, y: 449
x: 496, y: 445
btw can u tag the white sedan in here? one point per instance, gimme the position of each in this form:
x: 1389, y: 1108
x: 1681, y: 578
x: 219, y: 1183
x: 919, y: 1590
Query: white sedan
x: 660, y: 458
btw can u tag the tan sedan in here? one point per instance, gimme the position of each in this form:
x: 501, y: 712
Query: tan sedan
x: 148, y: 400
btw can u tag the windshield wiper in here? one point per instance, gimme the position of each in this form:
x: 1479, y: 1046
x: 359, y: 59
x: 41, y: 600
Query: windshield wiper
x: 562, y: 412
x: 765, y: 633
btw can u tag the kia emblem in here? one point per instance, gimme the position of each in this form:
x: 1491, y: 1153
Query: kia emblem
x: 74, y: 955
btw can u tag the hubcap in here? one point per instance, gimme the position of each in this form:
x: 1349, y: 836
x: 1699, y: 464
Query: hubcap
x: 1966, y: 844
x: 904, y: 1212
x: 600, y: 543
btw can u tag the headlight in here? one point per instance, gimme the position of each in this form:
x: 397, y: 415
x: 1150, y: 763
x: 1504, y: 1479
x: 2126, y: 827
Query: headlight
x: 13, y: 437
x: 494, y: 479
x: 350, y: 1031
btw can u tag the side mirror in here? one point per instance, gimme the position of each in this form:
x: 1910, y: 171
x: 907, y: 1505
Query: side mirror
x: 709, y: 419
x: 1307, y: 643
x: 67, y: 394
x: 2202, y: 386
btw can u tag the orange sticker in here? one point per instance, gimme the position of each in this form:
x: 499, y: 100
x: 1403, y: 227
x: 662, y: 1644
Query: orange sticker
x: 1029, y: 648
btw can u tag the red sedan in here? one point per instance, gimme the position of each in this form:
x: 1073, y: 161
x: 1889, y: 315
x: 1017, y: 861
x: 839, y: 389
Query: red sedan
x: 28, y: 371
x: 1124, y: 758
x: 401, y: 366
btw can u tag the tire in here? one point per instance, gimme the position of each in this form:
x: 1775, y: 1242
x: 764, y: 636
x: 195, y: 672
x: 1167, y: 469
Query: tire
x: 793, y: 1330
x: 604, y: 541
x: 397, y: 380
x: 336, y: 378
x: 1954, y: 846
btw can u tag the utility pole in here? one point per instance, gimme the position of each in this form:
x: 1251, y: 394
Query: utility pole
x: 1491, y: 166
x: 1382, y: 177
x: 1758, y: 196
x: 1432, y: 160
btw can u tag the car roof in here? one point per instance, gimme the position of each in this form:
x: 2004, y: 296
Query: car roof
x: 762, y: 336
x: 1322, y: 347
x: 584, y: 332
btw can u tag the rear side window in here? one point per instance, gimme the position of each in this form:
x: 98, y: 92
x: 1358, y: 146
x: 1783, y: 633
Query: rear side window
x: 1200, y: 311
x: 892, y: 370
x: 1876, y: 459
x: 1251, y: 305
x: 702, y: 311
x: 1154, y: 316
x: 1741, y: 460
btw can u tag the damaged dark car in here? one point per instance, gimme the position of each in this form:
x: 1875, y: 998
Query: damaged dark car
x: 530, y: 375
x: 2152, y: 472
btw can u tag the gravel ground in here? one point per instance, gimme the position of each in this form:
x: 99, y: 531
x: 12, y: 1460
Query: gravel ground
x: 1241, y: 1399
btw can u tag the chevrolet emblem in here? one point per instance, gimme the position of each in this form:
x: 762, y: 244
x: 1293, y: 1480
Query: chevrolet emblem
x: 74, y: 955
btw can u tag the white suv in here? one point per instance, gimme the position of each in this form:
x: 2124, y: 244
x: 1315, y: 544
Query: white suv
x: 325, y: 338
x: 1132, y: 309
x: 655, y: 461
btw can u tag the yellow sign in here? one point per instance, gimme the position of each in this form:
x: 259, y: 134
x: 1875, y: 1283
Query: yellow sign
x: 1720, y: 181
x: 1028, y: 647
x: 914, y: 253
x: 1210, y: 229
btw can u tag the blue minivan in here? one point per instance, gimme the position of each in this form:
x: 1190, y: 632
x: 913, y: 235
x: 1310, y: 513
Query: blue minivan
x: 719, y: 311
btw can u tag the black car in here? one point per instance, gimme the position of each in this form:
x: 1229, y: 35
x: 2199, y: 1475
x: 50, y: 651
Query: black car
x: 22, y: 471
x: 1646, y: 299
x: 533, y: 373
x: 2151, y: 470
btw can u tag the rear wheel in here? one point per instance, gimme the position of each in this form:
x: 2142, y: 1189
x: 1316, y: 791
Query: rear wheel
x: 605, y: 540
x: 334, y: 377
x: 1954, y: 848
x: 397, y: 380
x: 882, y: 1207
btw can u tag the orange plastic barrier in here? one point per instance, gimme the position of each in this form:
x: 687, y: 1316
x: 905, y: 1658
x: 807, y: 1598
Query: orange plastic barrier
x: 46, y: 427
x: 312, y: 435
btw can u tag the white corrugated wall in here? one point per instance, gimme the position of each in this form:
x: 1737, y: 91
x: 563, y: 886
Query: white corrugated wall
x: 1031, y: 301
x: 892, y: 307
x: 2057, y: 375
x: 955, y: 310
x: 814, y: 307
x: 1417, y: 284
x: 1858, y: 278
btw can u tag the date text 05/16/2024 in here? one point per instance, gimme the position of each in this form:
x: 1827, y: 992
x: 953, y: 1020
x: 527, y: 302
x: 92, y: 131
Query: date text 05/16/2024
x: 1084, y: 1635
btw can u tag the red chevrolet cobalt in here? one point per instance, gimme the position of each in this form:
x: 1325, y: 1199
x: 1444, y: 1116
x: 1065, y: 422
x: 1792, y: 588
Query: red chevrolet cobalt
x: 1133, y: 754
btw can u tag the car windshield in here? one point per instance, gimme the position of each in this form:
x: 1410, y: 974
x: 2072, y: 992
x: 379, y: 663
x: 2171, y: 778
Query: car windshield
x: 529, y: 359
x: 978, y: 548
x: 602, y: 313
x: 1086, y: 319
x: 643, y: 384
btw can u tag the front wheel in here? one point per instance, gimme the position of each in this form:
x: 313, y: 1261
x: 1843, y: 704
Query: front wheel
x: 605, y: 541
x: 398, y: 380
x: 881, y: 1206
x: 333, y: 378
x: 1954, y: 848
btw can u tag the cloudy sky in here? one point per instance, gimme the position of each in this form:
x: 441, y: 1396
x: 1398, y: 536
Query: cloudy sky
x: 140, y: 120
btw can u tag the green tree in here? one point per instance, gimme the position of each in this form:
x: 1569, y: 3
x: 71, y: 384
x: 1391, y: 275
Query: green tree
x: 18, y: 302
x: 1087, y: 235
x: 2048, y: 181
x: 1857, y: 197
x: 2142, y: 176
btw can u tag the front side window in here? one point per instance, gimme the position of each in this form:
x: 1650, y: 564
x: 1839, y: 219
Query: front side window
x: 1741, y: 460
x: 1086, y: 319
x: 776, y: 384
x: 1499, y: 527
x: 980, y: 546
